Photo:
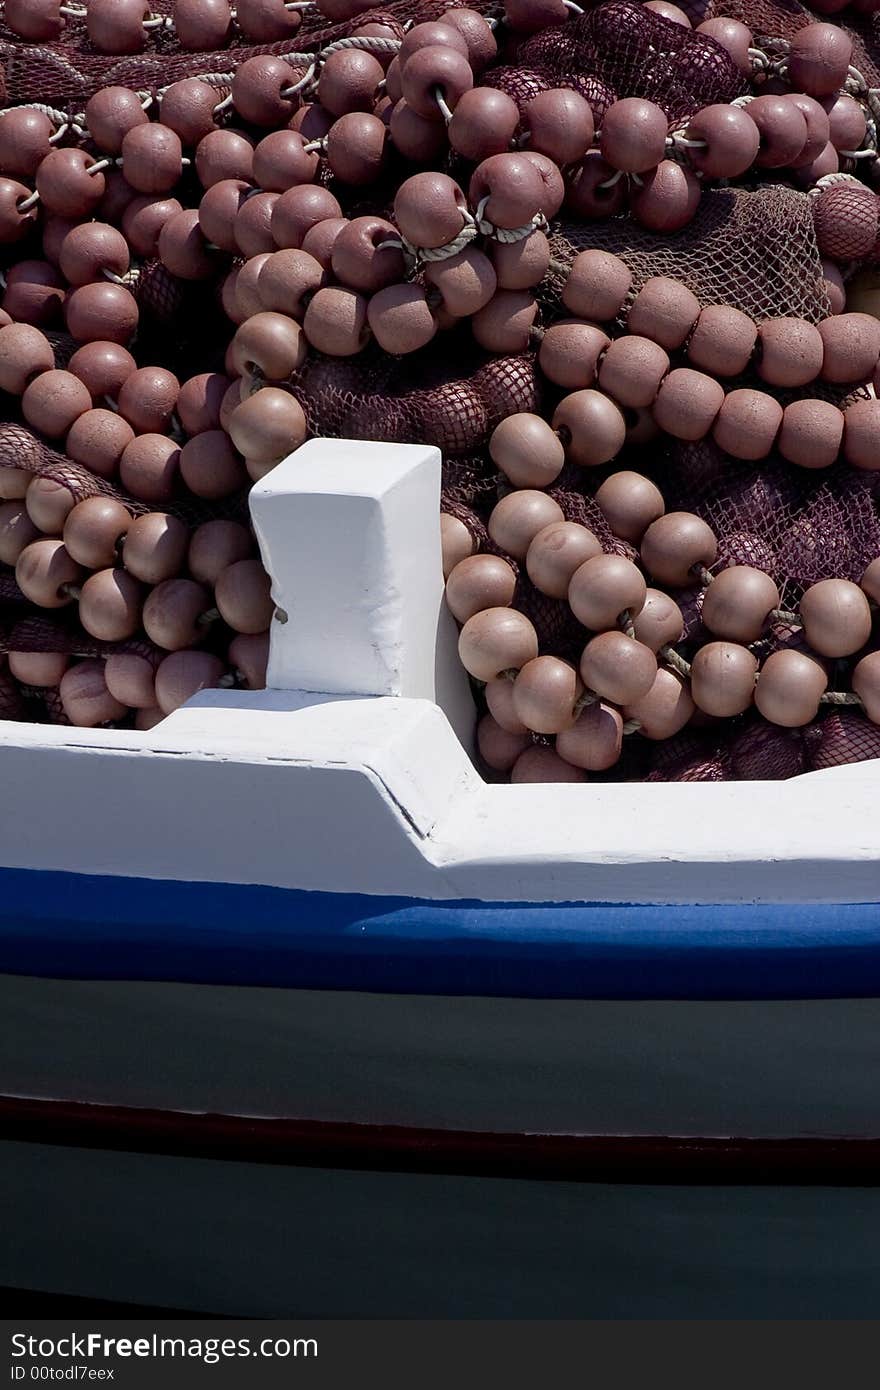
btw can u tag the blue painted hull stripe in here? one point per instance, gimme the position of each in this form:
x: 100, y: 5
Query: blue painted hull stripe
x: 94, y: 927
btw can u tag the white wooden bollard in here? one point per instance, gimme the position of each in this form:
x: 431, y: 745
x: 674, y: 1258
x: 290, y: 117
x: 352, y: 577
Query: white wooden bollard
x: 349, y: 531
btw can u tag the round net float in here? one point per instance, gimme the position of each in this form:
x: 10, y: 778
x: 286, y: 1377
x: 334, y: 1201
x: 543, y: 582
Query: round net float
x: 866, y: 684
x: 659, y: 622
x: 210, y: 466
x: 632, y: 369
x: 147, y: 399
x: 537, y: 764
x: 201, y: 24
x: 149, y: 467
x: 518, y: 517
x: 504, y: 325
x: 595, y: 741
x: 45, y: 571
x: 249, y: 655
x: 591, y: 426
x: 603, y: 588
x: 430, y: 210
x: 25, y: 354
x: 155, y: 547
x: 242, y: 595
x: 790, y: 352
x: 181, y: 675
x: 148, y: 718
x: 553, y: 194
x: 633, y: 135
x: 269, y: 343
x: 224, y: 154
x: 48, y: 504
x: 252, y: 227
x: 143, y: 220
x: 819, y: 56
x: 782, y: 129
x: 676, y: 546
x: 152, y: 157
x: 851, y: 343
x: 790, y: 686
x: 90, y: 250
x: 85, y: 698
x: 287, y: 279
x: 597, y: 285
x: 336, y: 321
x: 722, y: 341
x: 812, y: 433
x: 110, y: 605
x: 117, y: 26
x: 818, y: 128
x: 42, y: 669
x: 665, y: 311
x: 199, y: 401
x: 357, y: 148
x: 556, y: 552
x: 499, y: 701
x: 456, y: 542
x: 594, y: 190
x: 667, y: 199
x: 414, y: 136
x: 545, y: 693
x: 102, y: 366
x: 522, y: 264
x: 97, y: 440
x: 14, y: 483
x: 101, y: 312
x: 836, y: 617
x: 213, y: 546
x: 496, y: 640
x: 65, y: 184
x: 17, y: 530
x: 34, y: 294
x: 722, y: 679
x: 558, y: 123
x: 188, y: 109
x: 94, y: 530
x: 861, y: 435
x: 726, y: 141
x: 847, y: 123
x: 527, y: 451
x: 617, y: 667
x: 267, y: 426
x: 266, y: 21
x: 40, y: 21
x: 131, y: 679
x: 172, y: 613
x: 466, y: 282
x: 244, y: 292
x: 479, y: 582
x: 738, y: 603
x: 183, y: 249
x: 218, y: 209
x: 53, y: 401
x: 499, y: 747
x: 687, y: 403
x: 630, y: 503
x: 669, y: 11
x: 870, y: 581
x: 747, y: 424
x: 570, y: 351
x: 400, y: 318
x: 665, y: 709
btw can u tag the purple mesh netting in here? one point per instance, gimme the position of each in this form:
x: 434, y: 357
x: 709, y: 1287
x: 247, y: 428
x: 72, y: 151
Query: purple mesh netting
x: 637, y: 53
